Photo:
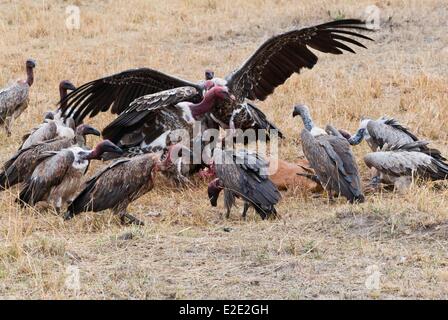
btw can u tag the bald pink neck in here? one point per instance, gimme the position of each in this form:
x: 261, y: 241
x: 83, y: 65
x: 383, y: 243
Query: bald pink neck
x: 204, y: 106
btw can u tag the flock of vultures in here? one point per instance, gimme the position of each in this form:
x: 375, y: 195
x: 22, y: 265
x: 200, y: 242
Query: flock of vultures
x: 51, y: 164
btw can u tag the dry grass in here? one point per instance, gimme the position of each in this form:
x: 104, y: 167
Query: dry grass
x: 187, y: 250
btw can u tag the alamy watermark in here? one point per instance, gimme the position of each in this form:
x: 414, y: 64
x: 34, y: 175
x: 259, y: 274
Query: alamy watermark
x: 73, y: 17
x: 72, y: 279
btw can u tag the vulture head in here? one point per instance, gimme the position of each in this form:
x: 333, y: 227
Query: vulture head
x: 66, y: 85
x: 102, y: 147
x: 358, y: 136
x: 210, y: 98
x: 214, y: 188
x: 30, y: 65
x: 345, y: 134
x: 49, y: 115
x: 303, y: 111
x: 221, y: 92
x: 209, y: 74
x: 85, y: 129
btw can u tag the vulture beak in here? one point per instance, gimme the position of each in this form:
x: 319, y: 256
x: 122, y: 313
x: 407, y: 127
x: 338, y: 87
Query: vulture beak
x: 49, y: 115
x: 213, y: 192
x: 345, y: 134
x: 70, y: 86
x: 86, y: 130
x: 296, y: 111
x: 30, y: 63
x: 107, y: 146
x: 213, y: 195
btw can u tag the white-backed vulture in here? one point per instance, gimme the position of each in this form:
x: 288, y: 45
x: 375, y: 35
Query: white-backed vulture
x: 116, y: 186
x: 243, y: 174
x: 14, y: 99
x: 53, y: 126
x: 399, y: 164
x: 384, y: 130
x: 22, y: 164
x: 58, y: 174
x: 331, y: 158
x: 267, y: 68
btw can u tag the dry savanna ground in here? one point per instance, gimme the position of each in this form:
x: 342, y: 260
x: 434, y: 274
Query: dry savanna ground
x: 187, y: 249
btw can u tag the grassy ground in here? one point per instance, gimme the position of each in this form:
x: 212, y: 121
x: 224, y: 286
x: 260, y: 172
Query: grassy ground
x: 188, y: 250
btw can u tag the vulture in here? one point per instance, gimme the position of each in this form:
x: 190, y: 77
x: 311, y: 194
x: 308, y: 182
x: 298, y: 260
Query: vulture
x: 57, y: 176
x: 388, y: 131
x: 22, y: 164
x: 331, y: 158
x: 14, y: 99
x: 53, y: 126
x: 398, y: 164
x: 150, y: 122
x: 243, y: 174
x: 116, y: 186
x: 267, y: 68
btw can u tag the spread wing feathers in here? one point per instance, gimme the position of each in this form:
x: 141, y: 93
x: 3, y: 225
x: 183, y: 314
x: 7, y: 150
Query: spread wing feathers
x: 143, y: 107
x: 334, y: 164
x: 245, y: 174
x: 12, y: 97
x: 405, y: 162
x: 117, y: 184
x: 118, y: 91
x: 282, y: 55
x: 259, y: 118
x: 50, y: 172
x: 390, y: 131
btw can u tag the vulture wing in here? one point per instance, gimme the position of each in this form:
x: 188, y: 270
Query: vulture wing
x: 49, y: 172
x: 244, y: 174
x: 11, y: 97
x: 334, y: 164
x: 404, y: 161
x: 389, y: 132
x: 340, y: 152
x: 145, y: 110
x: 282, y: 55
x: 108, y: 195
x: 118, y: 91
x: 115, y: 186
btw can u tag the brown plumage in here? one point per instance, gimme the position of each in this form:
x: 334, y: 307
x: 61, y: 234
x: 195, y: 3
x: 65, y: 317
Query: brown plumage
x: 57, y: 176
x: 331, y: 158
x: 22, y: 164
x: 14, y: 99
x: 270, y: 66
x: 116, y: 186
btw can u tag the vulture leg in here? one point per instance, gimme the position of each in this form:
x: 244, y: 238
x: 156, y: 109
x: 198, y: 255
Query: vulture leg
x: 8, y: 124
x: 245, y: 208
x: 228, y: 213
x: 130, y: 219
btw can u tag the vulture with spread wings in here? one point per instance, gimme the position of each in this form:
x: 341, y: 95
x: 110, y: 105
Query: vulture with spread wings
x: 269, y: 67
